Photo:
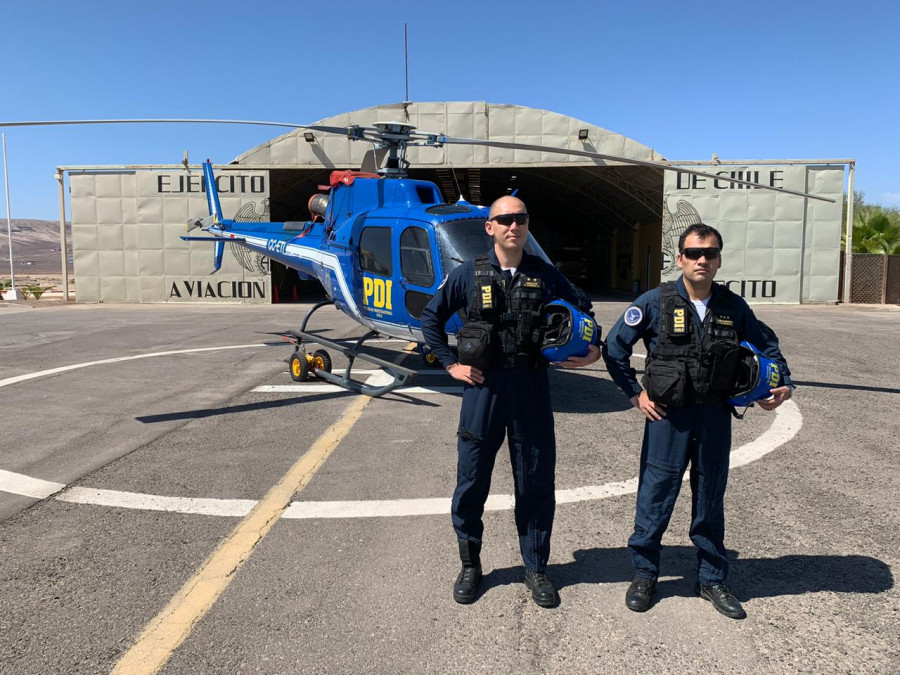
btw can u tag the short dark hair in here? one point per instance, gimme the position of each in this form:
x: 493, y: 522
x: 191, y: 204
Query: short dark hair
x: 703, y: 231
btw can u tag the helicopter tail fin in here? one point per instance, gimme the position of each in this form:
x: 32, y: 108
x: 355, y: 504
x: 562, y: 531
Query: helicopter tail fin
x: 212, y: 194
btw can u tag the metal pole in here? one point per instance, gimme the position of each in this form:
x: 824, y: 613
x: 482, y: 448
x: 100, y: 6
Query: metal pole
x: 12, y: 293
x: 848, y: 252
x: 406, y: 58
x: 62, y: 233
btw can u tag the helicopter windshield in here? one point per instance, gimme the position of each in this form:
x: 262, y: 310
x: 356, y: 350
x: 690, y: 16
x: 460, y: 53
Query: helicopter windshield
x: 462, y: 240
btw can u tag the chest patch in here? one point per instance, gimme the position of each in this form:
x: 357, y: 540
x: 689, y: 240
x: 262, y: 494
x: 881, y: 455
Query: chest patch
x: 487, y: 296
x: 679, y: 321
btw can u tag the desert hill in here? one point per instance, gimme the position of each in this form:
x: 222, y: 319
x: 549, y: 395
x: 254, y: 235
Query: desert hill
x: 35, y: 247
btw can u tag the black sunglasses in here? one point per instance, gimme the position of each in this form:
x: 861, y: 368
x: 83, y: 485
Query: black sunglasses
x: 696, y: 253
x: 507, y: 219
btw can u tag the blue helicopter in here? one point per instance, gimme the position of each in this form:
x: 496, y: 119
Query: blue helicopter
x: 380, y: 243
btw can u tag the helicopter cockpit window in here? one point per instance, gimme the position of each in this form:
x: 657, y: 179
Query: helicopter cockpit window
x: 375, y: 250
x: 462, y: 240
x: 415, y: 257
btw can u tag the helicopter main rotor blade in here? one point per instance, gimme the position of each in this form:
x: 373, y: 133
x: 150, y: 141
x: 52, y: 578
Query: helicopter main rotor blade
x: 47, y: 123
x: 402, y: 139
x: 438, y: 140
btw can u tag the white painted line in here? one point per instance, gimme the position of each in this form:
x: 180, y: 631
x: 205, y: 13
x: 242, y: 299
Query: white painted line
x: 789, y: 422
x: 26, y: 486
x: 64, y: 369
x: 333, y: 388
x: 785, y: 426
x: 145, y: 502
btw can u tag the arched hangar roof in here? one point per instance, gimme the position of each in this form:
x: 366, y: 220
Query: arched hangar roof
x: 607, y: 193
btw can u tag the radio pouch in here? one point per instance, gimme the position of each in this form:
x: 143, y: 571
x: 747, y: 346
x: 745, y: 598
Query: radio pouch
x: 666, y: 382
x: 475, y: 344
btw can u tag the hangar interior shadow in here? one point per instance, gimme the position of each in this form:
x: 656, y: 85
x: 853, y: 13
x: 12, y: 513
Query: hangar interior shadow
x: 749, y: 577
x: 600, y: 225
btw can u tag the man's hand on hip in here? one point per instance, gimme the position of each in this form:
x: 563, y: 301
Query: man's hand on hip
x: 469, y: 374
x: 652, y: 411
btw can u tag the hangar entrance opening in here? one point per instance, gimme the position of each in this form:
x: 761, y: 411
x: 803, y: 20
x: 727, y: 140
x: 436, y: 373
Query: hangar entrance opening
x: 600, y: 225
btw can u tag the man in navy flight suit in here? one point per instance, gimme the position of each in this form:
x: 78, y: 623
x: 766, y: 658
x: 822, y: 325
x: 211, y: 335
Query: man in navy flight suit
x: 509, y: 397
x: 689, y: 327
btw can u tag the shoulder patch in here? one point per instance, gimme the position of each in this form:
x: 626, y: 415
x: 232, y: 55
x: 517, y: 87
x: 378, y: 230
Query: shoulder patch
x: 633, y: 316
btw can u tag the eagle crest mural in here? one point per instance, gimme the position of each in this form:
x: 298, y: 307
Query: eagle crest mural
x: 673, y: 225
x: 255, y: 263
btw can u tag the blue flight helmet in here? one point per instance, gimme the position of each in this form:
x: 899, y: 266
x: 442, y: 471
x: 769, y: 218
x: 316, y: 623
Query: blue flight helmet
x: 567, y: 331
x: 756, y: 375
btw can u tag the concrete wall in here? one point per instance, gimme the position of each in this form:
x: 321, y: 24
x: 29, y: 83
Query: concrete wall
x: 779, y: 248
x: 126, y: 237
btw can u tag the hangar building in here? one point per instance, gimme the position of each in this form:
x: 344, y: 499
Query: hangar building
x: 606, y: 224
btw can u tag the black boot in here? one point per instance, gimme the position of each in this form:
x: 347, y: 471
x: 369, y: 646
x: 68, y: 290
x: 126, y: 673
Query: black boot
x: 542, y: 591
x: 465, y: 590
x: 639, y: 594
x: 722, y: 599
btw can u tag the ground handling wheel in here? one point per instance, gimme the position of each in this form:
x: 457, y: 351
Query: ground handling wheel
x: 321, y: 360
x: 298, y: 365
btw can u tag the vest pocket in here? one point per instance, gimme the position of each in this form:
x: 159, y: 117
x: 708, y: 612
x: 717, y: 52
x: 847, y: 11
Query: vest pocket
x: 666, y: 382
x: 475, y: 344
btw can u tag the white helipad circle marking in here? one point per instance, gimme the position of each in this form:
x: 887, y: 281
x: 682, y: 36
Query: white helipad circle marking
x: 785, y: 426
x: 63, y: 369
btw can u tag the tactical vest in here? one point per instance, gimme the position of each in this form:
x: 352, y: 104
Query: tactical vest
x: 514, y: 311
x: 708, y: 364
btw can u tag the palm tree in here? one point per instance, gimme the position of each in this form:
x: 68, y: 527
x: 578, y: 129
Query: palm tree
x: 874, y: 231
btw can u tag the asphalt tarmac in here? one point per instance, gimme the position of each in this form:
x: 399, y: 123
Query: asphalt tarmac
x: 120, y: 480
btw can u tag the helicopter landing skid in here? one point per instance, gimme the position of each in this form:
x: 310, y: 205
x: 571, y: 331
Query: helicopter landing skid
x: 399, y: 374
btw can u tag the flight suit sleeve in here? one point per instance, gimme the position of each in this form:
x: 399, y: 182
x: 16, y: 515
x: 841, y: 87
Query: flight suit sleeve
x: 637, y: 322
x: 761, y: 336
x: 451, y: 296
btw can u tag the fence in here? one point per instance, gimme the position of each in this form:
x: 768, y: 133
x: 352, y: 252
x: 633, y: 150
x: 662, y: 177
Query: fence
x: 876, y: 279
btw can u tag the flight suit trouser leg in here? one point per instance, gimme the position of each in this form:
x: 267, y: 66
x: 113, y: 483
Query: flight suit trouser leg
x: 699, y: 435
x: 482, y: 426
x: 664, y: 457
x: 709, y: 477
x: 532, y: 455
x: 513, y: 402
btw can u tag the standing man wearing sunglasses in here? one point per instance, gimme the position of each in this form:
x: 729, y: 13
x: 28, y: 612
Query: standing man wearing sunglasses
x: 689, y: 327
x: 506, y: 391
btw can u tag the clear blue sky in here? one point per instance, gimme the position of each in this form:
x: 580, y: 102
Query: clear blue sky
x: 765, y: 80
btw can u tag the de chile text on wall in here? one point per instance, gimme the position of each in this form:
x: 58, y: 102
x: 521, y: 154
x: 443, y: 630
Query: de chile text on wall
x: 746, y: 288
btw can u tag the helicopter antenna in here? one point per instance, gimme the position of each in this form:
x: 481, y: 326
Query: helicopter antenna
x: 406, y: 101
x: 458, y: 188
x: 406, y: 58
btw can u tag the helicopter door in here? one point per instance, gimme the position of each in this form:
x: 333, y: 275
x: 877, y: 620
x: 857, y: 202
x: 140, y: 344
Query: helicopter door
x: 377, y: 293
x: 417, y: 255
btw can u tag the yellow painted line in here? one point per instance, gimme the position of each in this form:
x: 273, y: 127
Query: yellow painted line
x: 162, y: 636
